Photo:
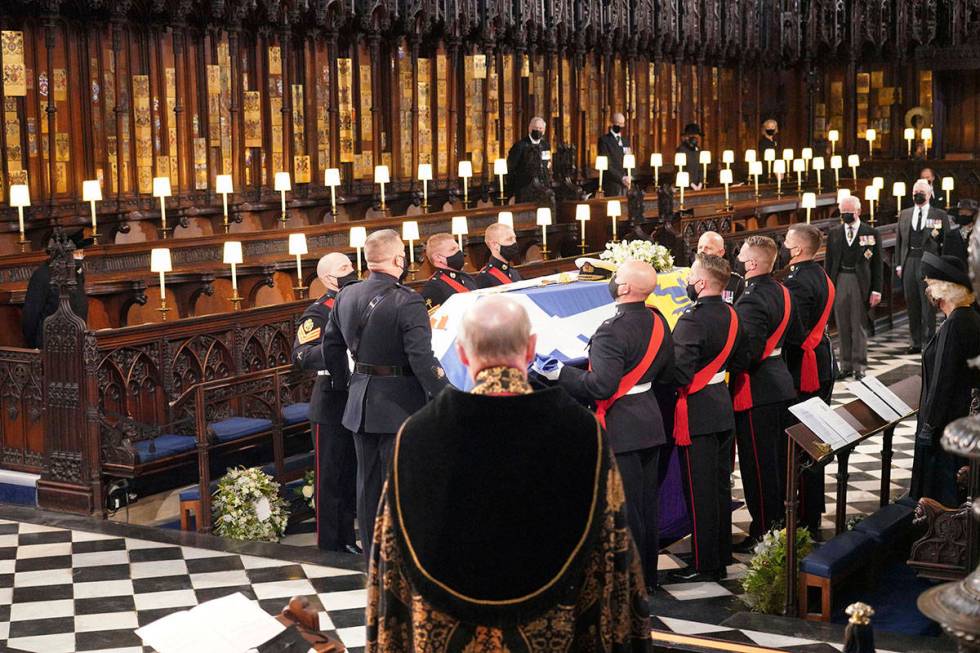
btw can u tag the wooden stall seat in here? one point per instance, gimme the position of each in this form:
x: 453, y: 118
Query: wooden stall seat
x: 828, y: 566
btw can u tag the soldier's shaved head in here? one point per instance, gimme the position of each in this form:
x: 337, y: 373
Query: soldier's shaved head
x: 711, y: 243
x: 331, y: 267
x: 495, y: 331
x: 640, y: 279
x: 382, y: 245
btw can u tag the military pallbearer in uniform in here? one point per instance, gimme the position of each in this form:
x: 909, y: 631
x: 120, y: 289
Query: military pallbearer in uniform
x: 502, y: 243
x: 713, y: 244
x: 336, y: 464
x: 386, y: 328
x: 704, y: 339
x: 448, y: 260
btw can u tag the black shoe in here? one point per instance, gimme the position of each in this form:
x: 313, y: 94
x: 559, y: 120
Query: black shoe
x: 913, y: 350
x: 352, y: 549
x: 692, y: 575
x: 858, y: 375
x: 653, y: 589
x: 843, y: 374
x: 745, y: 546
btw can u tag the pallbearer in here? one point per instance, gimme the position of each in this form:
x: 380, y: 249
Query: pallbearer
x: 704, y: 339
x: 448, y: 259
x: 713, y: 244
x: 810, y: 356
x: 761, y: 386
x: 336, y: 464
x: 502, y: 243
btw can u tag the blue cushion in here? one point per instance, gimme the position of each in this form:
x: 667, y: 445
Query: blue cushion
x: 908, y: 501
x: 295, y: 413
x: 165, y: 445
x: 837, y: 555
x: 238, y: 427
x: 886, y: 524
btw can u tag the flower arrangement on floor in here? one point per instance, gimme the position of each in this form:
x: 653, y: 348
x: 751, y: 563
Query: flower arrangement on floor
x: 765, y: 581
x: 307, y: 490
x: 639, y: 250
x: 247, y: 506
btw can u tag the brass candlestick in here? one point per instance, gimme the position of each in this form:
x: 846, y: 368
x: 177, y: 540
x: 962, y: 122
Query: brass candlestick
x: 163, y: 309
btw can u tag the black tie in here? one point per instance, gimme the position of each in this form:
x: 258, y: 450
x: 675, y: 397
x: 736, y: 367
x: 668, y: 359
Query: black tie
x: 850, y: 235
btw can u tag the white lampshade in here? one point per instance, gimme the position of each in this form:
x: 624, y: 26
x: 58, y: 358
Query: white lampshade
x: 381, y: 175
x: 779, y: 166
x: 282, y: 182
x: 680, y: 159
x: 358, y: 236
x: 807, y: 153
x: 614, y: 209
x: 853, y: 160
x: 223, y: 185
x: 161, y: 187
x: 656, y: 160
x: 20, y: 195
x: 544, y: 216
x: 788, y: 154
x: 870, y: 134
x: 947, y: 183
x: 750, y: 156
x: 836, y: 162
x: 909, y: 133
x: 769, y: 154
x: 833, y: 136
x: 297, y: 245
x: 728, y: 156
x: 817, y: 163
x: 92, y: 191
x: 459, y: 225
x: 799, y: 165
x: 331, y: 177
x: 160, y: 260
x: 425, y: 172
x: 465, y: 169
x: 507, y: 218
x: 809, y: 201
x: 602, y: 163
x: 843, y: 193
x: 410, y: 230
x: 725, y: 176
x: 704, y: 157
x: 683, y: 179
x: 755, y: 167
x: 582, y: 212
x: 629, y: 161
x: 899, y: 189
x: 500, y: 167
x: 926, y: 134
x: 871, y: 192
x: 233, y: 252
x: 878, y: 182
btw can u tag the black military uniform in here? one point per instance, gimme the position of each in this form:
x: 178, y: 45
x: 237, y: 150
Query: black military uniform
x: 810, y: 287
x: 443, y: 284
x: 690, y: 147
x: 700, y: 336
x: 634, y: 423
x: 386, y: 328
x: 734, y: 289
x: 524, y: 166
x: 497, y: 273
x: 762, y: 386
x: 336, y: 464
x: 613, y: 146
x: 41, y: 299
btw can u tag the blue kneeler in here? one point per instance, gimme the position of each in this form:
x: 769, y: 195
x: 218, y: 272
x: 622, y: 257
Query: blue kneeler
x: 887, y: 523
x: 829, y: 564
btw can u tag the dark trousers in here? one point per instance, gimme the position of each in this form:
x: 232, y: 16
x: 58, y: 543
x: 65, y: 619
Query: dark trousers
x: 851, y: 315
x: 640, y: 473
x: 374, y: 454
x: 813, y: 500
x: 336, y: 482
x: 706, y: 468
x: 762, y: 463
x: 922, y: 315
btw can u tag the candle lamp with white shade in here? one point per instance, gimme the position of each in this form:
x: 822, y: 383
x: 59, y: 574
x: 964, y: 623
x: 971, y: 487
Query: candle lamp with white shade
x: 410, y: 233
x: 836, y: 163
x: 507, y: 218
x: 601, y: 164
x: 297, y: 248
x: 629, y: 163
x: 833, y: 136
x: 871, y: 196
x: 381, y: 177
x: 843, y: 193
x: 465, y: 171
x: 728, y: 158
x: 425, y: 176
x: 20, y: 197
x: 233, y: 257
x: 358, y: 236
x: 788, y: 156
x: 755, y: 171
x: 331, y: 178
x: 161, y: 189
x: 818, y: 167
x: 750, y: 157
x: 871, y: 135
x: 725, y: 178
x: 910, y: 138
x: 898, y: 192
x: 947, y: 186
x: 160, y: 263
x: 926, y: 136
x: 614, y: 209
x: 798, y: 167
x: 879, y: 183
x: 769, y: 156
x: 704, y: 158
x: 460, y: 229
x: 682, y: 180
x: 808, y: 202
x: 656, y: 162
x: 779, y: 168
x: 282, y: 185
x: 500, y: 169
x: 223, y: 186
x: 807, y: 155
x: 853, y: 161
x: 92, y: 193
x: 543, y: 219
x: 582, y: 213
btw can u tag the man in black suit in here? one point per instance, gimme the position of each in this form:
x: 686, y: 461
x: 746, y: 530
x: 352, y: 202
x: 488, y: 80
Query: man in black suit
x: 853, y: 262
x: 41, y: 299
x: 956, y: 241
x: 935, y: 183
x: 920, y: 229
x: 691, y: 146
x: 613, y: 145
x: 620, y: 382
x: 386, y: 328
x: 336, y: 463
x: 526, y: 162
x: 448, y: 259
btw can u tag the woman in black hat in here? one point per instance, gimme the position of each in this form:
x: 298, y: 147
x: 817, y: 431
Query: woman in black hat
x: 947, y: 376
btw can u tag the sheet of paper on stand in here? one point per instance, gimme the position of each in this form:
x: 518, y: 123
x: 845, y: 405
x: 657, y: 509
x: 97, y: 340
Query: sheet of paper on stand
x: 889, y: 397
x: 873, y: 401
x: 825, y: 423
x: 231, y: 624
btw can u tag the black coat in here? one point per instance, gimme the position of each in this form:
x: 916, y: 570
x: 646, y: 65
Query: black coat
x: 329, y: 395
x: 807, y: 283
x: 693, y: 165
x: 699, y: 336
x: 612, y: 179
x: 932, y: 236
x: 868, y: 260
x: 397, y: 334
x: 760, y: 310
x: 734, y: 288
x: 437, y: 290
x: 956, y: 243
x: 524, y: 165
x: 41, y: 302
x: 766, y: 144
x: 489, y: 279
x: 634, y: 422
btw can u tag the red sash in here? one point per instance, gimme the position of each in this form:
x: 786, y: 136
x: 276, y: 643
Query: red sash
x: 629, y: 381
x: 497, y: 273
x: 328, y: 302
x: 741, y: 386
x: 452, y: 283
x: 809, y: 376
x: 682, y: 434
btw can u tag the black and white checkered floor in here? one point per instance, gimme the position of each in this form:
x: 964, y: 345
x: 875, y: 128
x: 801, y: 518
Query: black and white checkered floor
x: 81, y: 585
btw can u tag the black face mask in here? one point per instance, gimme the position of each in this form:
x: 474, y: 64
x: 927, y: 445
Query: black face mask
x: 346, y: 279
x: 613, y: 289
x: 692, y: 293
x: 456, y: 261
x: 770, y: 132
x: 964, y: 219
x: 536, y: 134
x: 404, y: 273
x: 919, y: 198
x: 510, y: 252
x: 847, y: 218
x: 616, y: 129
x: 693, y: 142
x: 739, y: 268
